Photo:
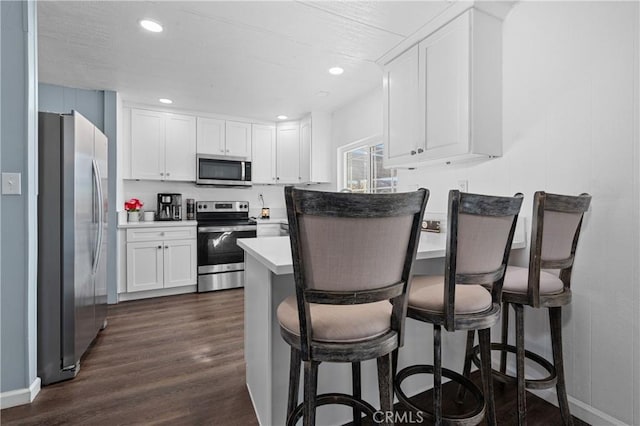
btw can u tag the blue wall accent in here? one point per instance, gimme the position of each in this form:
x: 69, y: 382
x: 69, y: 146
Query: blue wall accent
x: 17, y: 218
x: 89, y: 103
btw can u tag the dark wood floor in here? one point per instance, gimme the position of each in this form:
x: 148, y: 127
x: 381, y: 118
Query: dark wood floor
x: 178, y: 361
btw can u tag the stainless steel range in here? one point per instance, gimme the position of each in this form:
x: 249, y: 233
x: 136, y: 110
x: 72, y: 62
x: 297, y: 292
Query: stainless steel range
x: 220, y: 260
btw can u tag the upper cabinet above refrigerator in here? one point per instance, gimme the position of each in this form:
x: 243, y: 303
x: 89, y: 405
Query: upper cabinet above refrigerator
x: 443, y: 95
x: 162, y: 146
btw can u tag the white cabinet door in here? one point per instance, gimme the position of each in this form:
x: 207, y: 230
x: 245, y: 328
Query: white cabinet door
x: 145, y: 269
x: 401, y: 108
x: 180, y: 148
x: 288, y: 153
x: 238, y: 139
x: 210, y: 136
x: 445, y: 76
x: 305, y: 149
x: 263, y: 164
x: 147, y: 145
x: 180, y: 262
x: 322, y: 156
x: 268, y: 230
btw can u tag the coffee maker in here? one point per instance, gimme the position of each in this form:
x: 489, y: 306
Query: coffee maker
x: 169, y: 207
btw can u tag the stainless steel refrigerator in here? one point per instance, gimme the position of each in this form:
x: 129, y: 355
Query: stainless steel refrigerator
x: 72, y: 241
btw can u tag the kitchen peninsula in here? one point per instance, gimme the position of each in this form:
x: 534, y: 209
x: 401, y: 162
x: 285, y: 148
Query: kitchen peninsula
x: 269, y: 280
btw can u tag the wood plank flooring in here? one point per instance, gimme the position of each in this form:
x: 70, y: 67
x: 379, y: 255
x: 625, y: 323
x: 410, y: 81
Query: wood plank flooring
x: 178, y: 361
x: 171, y: 360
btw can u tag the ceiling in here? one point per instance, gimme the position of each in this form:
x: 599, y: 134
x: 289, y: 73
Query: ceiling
x: 249, y: 59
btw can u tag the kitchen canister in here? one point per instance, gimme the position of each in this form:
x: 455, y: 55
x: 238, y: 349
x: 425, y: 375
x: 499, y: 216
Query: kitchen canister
x: 133, y: 216
x: 149, y: 216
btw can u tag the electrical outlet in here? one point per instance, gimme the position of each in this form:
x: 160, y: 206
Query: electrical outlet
x: 463, y: 185
x: 11, y: 184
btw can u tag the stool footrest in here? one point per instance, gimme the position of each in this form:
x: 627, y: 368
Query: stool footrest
x: 333, y: 398
x: 543, y: 383
x: 471, y: 417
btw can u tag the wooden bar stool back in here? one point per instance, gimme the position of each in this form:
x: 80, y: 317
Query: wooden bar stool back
x: 467, y: 297
x: 352, y: 258
x: 555, y: 229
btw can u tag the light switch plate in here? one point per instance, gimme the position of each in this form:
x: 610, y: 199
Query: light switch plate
x: 11, y: 184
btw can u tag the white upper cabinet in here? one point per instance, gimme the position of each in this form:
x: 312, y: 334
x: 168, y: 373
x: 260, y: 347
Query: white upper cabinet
x: 443, y: 97
x: 401, y: 108
x: 211, y: 134
x: 147, y: 145
x: 238, y: 139
x: 315, y: 148
x: 264, y: 154
x: 180, y: 147
x: 163, y: 146
x: 293, y: 152
x: 220, y: 137
x: 288, y: 153
x: 305, y: 149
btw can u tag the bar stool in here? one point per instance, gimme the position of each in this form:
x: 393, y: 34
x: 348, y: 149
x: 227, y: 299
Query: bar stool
x: 479, y: 236
x: 352, y: 255
x: 555, y: 230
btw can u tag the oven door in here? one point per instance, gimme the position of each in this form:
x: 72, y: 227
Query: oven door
x: 217, y: 248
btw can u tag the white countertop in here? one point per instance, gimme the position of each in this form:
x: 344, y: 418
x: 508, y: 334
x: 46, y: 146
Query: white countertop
x: 157, y: 224
x: 275, y: 252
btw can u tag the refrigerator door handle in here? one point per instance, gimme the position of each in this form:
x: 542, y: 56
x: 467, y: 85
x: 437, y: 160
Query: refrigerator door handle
x: 98, y: 250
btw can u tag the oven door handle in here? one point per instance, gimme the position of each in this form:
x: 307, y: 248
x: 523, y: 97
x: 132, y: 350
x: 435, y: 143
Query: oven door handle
x: 202, y: 229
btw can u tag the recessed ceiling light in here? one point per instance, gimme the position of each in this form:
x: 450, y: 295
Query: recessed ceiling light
x: 336, y: 70
x: 322, y: 93
x: 165, y: 101
x: 282, y: 117
x: 150, y: 25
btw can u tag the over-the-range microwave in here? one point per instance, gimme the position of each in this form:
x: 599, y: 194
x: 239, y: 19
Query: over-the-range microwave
x: 222, y: 170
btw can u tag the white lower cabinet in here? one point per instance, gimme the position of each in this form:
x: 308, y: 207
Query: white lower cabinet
x: 268, y: 230
x: 161, y: 257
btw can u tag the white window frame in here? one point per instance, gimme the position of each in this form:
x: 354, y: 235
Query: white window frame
x: 342, y: 151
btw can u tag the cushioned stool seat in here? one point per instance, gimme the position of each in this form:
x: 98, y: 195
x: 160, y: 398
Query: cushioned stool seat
x: 338, y: 323
x: 516, y: 280
x: 427, y: 294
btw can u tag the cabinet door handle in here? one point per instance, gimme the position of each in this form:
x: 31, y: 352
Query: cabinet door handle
x: 161, y: 174
x: 168, y: 173
x: 166, y: 247
x: 159, y: 247
x: 227, y: 150
x: 413, y: 152
x: 222, y: 150
x: 277, y: 178
x: 420, y: 150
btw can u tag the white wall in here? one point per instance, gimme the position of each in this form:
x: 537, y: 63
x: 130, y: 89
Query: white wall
x: 570, y: 125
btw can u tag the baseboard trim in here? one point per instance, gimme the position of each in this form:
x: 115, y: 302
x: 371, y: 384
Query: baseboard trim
x: 20, y: 396
x: 584, y: 412
x: 579, y: 409
x: 172, y: 291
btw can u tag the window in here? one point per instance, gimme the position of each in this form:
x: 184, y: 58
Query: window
x: 363, y: 171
